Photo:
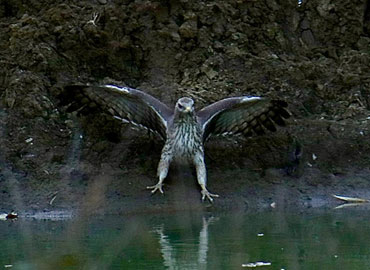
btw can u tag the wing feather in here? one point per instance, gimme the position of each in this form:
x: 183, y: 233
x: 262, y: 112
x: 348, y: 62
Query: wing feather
x: 242, y: 115
x: 127, y: 104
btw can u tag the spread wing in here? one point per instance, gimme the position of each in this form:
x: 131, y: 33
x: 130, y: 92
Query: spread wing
x: 242, y: 115
x: 126, y: 104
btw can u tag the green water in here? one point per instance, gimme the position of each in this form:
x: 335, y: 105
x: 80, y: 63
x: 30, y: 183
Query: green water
x: 335, y: 239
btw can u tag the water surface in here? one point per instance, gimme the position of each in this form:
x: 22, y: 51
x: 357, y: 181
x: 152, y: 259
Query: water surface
x: 334, y: 239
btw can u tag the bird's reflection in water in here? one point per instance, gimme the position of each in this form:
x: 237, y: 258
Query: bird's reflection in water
x: 188, y: 240
x: 195, y: 256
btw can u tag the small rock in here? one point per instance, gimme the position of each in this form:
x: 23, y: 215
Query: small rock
x: 189, y: 29
x: 209, y: 71
x: 175, y: 36
x: 218, y: 45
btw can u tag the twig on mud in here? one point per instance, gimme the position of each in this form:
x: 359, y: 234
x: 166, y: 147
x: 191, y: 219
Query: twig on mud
x: 351, y: 199
x: 95, y: 18
x: 346, y: 205
x: 53, y: 198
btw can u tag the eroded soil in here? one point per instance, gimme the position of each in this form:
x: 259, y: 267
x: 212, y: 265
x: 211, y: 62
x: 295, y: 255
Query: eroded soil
x: 315, y: 55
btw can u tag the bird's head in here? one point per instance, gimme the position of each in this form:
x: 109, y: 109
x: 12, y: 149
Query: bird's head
x: 185, y: 105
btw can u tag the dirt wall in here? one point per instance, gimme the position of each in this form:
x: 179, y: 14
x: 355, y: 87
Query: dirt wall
x: 313, y: 54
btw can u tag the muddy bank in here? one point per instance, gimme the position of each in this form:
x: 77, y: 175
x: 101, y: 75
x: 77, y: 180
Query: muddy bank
x: 315, y: 55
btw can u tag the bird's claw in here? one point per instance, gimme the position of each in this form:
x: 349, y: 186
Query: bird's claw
x: 156, y: 187
x: 206, y: 193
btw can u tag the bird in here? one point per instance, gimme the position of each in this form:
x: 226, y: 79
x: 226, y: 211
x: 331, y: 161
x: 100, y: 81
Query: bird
x: 183, y: 129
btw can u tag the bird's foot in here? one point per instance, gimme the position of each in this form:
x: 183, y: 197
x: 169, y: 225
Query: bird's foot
x: 156, y: 187
x: 206, y: 193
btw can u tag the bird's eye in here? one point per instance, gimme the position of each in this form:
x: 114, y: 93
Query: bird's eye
x: 180, y: 106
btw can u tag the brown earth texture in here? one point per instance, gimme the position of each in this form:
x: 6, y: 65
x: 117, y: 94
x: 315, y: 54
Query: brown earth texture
x: 314, y: 54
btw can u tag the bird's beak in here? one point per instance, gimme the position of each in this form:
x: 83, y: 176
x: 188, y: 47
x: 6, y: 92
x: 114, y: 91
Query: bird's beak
x: 188, y: 109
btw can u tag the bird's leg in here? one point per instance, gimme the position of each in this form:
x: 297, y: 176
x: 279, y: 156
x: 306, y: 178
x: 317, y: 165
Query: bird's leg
x: 206, y: 193
x: 202, y: 177
x: 162, y: 172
